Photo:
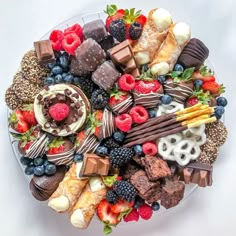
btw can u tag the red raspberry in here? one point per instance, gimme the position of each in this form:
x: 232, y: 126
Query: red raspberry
x: 132, y: 216
x: 146, y: 87
x: 139, y: 114
x: 126, y: 82
x: 76, y: 28
x: 145, y: 212
x: 123, y: 122
x: 150, y: 148
x: 56, y: 38
x: 70, y: 43
x: 59, y: 111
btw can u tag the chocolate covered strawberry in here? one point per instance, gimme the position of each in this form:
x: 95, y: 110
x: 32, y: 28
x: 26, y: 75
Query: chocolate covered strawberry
x: 120, y: 101
x: 18, y: 122
x: 60, y: 151
x: 200, y: 96
x: 214, y: 88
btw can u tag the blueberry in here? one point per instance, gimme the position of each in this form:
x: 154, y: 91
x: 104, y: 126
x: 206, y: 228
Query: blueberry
x: 29, y: 170
x: 138, y: 150
x: 222, y: 101
x: 102, y: 151
x: 38, y: 161
x: 52, y: 64
x: 50, y: 169
x: 58, y: 79
x: 178, y: 67
x: 78, y: 157
x: 49, y: 81
x: 39, y: 170
x: 46, y: 162
x: 218, y: 117
x: 56, y: 70
x: 166, y: 99
x: 68, y: 79
x: 155, y: 206
x: 198, y: 83
x: 64, y: 75
x: 64, y: 62
x: 25, y: 161
x: 138, y: 202
x: 152, y: 113
x: 219, y: 110
x: 161, y: 79
x: 76, y: 80
x: 119, y: 136
x: 145, y: 68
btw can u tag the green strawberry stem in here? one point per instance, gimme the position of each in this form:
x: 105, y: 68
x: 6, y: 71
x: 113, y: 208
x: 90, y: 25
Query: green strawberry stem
x: 56, y: 143
x: 203, y: 97
x: 130, y: 15
x: 111, y: 10
x: 206, y: 71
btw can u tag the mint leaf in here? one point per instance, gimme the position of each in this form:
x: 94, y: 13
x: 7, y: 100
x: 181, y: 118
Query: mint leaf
x: 107, y: 229
x: 124, y: 213
x: 187, y: 74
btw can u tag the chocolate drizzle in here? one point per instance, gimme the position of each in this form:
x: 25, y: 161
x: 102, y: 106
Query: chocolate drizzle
x: 88, y: 145
x: 108, y: 124
x: 123, y: 106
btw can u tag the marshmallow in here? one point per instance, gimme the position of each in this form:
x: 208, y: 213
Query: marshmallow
x: 162, y: 19
x: 182, y: 33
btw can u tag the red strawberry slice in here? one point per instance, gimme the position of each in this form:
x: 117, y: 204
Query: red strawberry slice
x: 146, y: 87
x: 18, y: 123
x: 106, y: 215
x: 121, y: 206
x: 28, y: 114
x: 123, y: 122
x: 56, y: 38
x: 56, y: 146
x: 71, y: 42
x: 191, y: 101
x: 76, y: 28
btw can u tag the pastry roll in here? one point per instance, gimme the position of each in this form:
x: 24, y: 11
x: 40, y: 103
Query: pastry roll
x: 153, y: 35
x: 167, y: 55
x: 69, y: 190
x: 85, y: 208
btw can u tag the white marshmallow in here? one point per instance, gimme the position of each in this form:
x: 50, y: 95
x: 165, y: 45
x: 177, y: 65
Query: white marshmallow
x: 182, y: 33
x: 161, y: 68
x: 162, y: 19
x: 142, y: 58
x: 77, y: 219
x: 96, y: 184
x: 59, y: 204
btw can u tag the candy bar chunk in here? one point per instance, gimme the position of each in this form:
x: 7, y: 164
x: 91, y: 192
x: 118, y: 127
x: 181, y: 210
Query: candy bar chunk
x: 76, y: 68
x: 95, y: 29
x: 156, y: 168
x: 90, y: 55
x: 106, y: 75
x: 172, y: 193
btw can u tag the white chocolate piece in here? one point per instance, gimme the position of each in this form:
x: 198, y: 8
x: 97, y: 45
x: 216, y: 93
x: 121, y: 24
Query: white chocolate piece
x: 182, y: 33
x: 96, y: 184
x: 162, y: 19
x: 142, y: 57
x: 59, y: 204
x: 161, y: 68
x: 77, y: 219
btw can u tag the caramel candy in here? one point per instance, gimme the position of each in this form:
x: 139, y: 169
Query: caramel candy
x: 94, y: 165
x: 44, y: 51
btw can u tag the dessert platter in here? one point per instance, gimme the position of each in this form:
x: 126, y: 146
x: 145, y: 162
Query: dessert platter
x: 116, y: 117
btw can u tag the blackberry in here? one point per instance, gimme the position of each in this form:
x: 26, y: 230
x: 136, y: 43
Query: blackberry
x: 135, y: 30
x: 112, y: 197
x: 118, y: 30
x: 125, y: 190
x: 86, y: 84
x: 99, y: 99
x: 120, y: 156
x: 110, y: 143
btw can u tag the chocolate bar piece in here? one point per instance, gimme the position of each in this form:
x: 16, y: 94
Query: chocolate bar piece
x: 90, y: 55
x: 172, y: 193
x: 122, y: 55
x: 95, y: 30
x: 106, y: 75
x: 94, y: 165
x: 44, y: 52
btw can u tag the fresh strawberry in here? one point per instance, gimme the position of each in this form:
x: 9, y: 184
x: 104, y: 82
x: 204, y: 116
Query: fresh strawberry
x: 142, y: 19
x: 18, y: 123
x: 146, y: 87
x: 126, y: 82
x: 139, y: 114
x: 56, y: 146
x: 81, y: 136
x: 95, y: 122
x: 121, y: 206
x: 56, y: 38
x: 76, y: 28
x: 28, y: 114
x: 106, y: 215
x: 113, y: 14
x: 214, y: 88
x: 191, y: 101
x: 59, y: 111
x: 123, y: 122
x: 71, y: 42
x: 205, y: 74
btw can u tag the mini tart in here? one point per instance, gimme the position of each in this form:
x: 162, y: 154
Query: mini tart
x: 64, y: 93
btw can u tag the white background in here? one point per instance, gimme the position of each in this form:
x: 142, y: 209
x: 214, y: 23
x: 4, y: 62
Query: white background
x: 209, y: 211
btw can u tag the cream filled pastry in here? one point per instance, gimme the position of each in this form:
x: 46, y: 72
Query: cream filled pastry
x: 61, y: 109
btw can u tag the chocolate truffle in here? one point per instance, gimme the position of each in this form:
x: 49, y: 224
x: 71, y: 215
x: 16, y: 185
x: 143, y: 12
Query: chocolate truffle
x: 76, y: 68
x: 12, y: 101
x: 210, y: 150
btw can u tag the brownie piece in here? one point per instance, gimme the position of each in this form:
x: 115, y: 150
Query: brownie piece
x: 106, y: 75
x: 156, y: 168
x: 172, y: 193
x: 129, y: 170
x: 139, y: 160
x: 90, y: 55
